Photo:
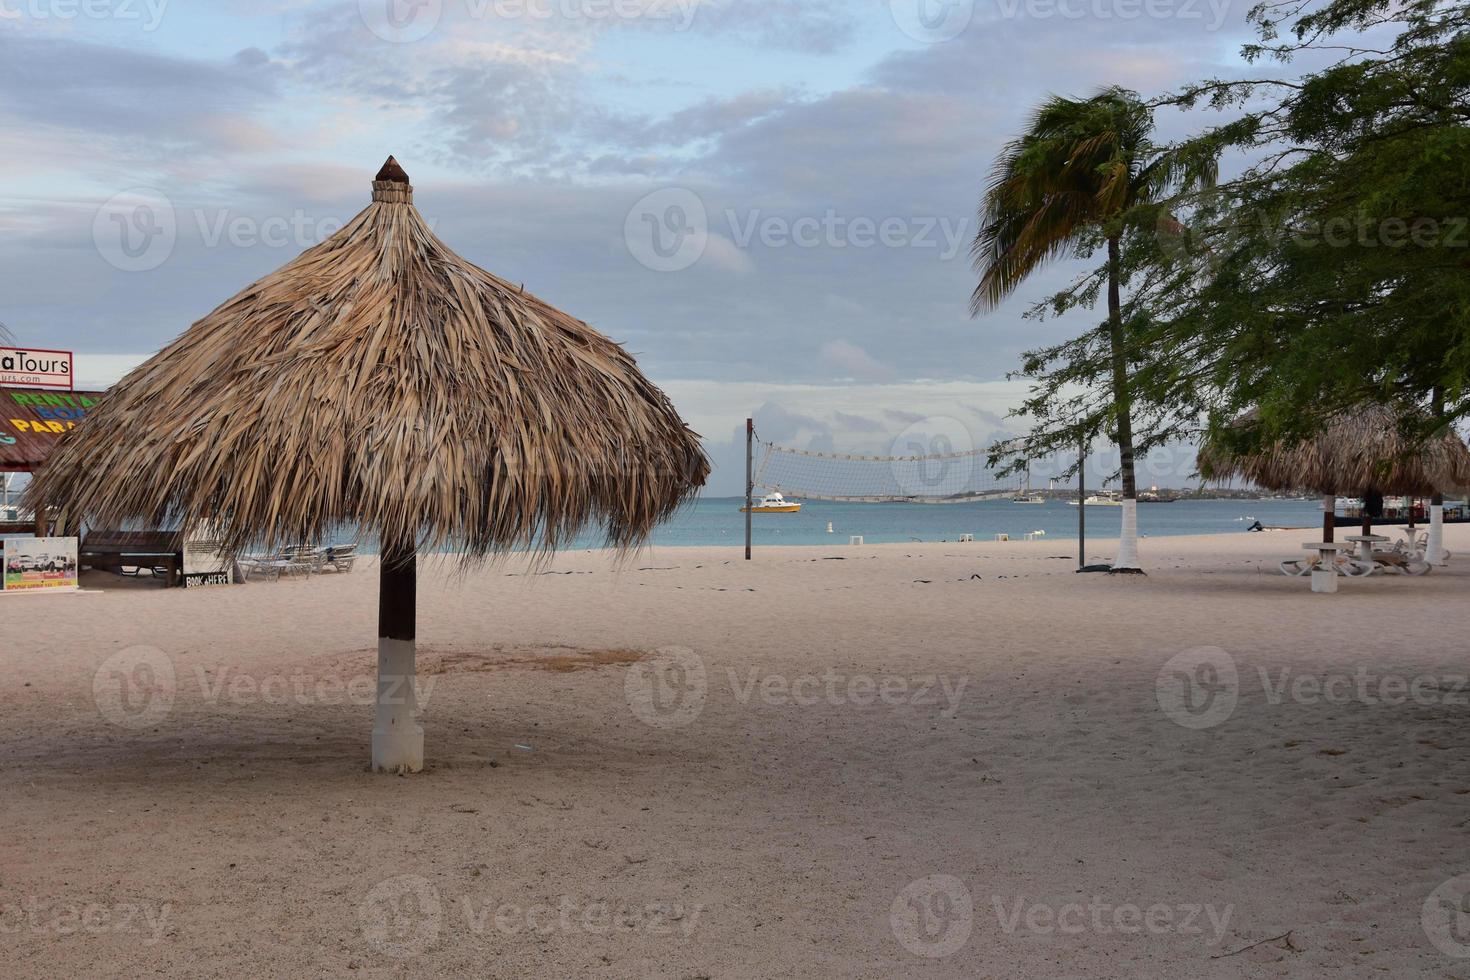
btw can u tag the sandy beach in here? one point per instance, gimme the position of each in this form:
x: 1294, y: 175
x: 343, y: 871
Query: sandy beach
x: 933, y: 760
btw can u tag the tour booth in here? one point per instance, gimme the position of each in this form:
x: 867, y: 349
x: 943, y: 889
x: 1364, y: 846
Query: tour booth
x: 37, y: 556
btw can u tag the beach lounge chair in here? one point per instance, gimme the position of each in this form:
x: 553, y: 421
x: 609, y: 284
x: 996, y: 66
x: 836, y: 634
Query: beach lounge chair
x: 268, y: 567
x: 1346, y: 563
x: 339, y: 557
x: 1419, y: 547
x: 1406, y: 564
x: 304, y: 560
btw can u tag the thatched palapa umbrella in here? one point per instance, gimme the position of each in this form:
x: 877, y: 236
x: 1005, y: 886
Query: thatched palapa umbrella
x: 380, y: 380
x: 1362, y: 452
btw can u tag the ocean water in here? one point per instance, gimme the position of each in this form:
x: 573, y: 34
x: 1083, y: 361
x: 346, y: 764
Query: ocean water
x: 718, y: 521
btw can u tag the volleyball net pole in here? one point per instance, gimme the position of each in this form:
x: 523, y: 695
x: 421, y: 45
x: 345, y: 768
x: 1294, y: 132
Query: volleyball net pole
x: 1082, y: 505
x: 749, y: 479
x: 1082, y: 565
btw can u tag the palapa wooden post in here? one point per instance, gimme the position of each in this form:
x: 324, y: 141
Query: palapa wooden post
x: 398, y: 739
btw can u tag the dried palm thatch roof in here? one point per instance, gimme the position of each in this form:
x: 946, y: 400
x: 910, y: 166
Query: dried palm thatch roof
x: 1365, y: 450
x: 381, y: 380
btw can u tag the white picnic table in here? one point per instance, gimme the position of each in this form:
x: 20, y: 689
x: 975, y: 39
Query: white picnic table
x: 1365, y: 543
x: 1324, y: 576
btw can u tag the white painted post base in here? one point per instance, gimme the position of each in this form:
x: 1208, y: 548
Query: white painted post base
x: 398, y: 739
x: 1324, y: 580
x: 1434, y: 553
x: 1127, y: 560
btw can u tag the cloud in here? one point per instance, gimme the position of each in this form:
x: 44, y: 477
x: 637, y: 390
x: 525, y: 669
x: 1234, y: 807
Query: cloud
x: 813, y: 26
x: 723, y: 254
x: 852, y: 360
x: 857, y: 423
x: 985, y: 415
x: 508, y: 85
x: 141, y: 106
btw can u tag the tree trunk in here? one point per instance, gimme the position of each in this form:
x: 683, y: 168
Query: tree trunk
x: 1127, y: 560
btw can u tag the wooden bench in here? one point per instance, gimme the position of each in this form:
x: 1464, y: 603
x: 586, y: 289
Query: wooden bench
x: 115, y: 550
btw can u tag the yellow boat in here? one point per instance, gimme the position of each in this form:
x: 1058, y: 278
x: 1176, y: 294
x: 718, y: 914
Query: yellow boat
x: 774, y: 503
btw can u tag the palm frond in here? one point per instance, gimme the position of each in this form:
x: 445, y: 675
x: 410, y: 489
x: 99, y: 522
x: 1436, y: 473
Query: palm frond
x: 1080, y: 164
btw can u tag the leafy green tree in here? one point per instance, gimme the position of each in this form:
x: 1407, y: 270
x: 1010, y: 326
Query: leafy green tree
x: 1336, y: 268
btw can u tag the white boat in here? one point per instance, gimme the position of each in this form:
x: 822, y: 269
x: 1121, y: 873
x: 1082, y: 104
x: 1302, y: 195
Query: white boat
x: 1028, y: 496
x: 1100, y: 500
x: 774, y: 503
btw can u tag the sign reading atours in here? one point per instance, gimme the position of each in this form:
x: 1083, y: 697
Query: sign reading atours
x: 32, y: 368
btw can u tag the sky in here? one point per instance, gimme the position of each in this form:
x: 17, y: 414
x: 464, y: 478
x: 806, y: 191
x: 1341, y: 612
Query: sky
x: 768, y: 202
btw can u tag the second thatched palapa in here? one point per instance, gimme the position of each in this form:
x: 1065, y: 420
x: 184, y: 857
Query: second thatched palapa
x: 380, y: 380
x: 1363, y: 451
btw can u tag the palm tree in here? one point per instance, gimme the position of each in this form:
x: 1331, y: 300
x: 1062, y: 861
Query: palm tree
x: 1071, y: 180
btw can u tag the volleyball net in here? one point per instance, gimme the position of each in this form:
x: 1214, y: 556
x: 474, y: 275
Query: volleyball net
x: 937, y: 478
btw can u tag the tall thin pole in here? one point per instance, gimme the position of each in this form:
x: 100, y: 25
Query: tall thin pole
x: 749, y: 479
x: 1082, y: 504
x: 1434, y: 552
